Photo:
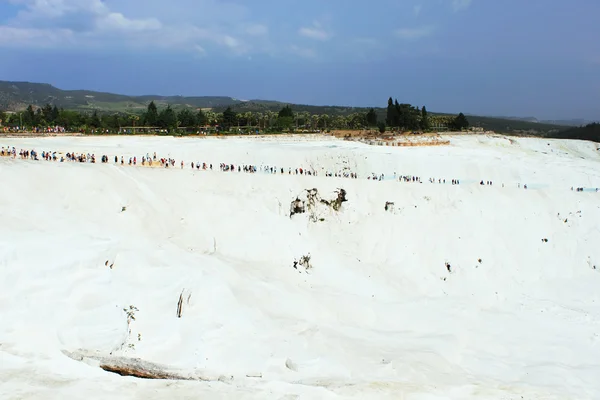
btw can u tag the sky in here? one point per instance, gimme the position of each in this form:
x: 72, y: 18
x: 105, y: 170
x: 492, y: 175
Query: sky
x: 523, y: 58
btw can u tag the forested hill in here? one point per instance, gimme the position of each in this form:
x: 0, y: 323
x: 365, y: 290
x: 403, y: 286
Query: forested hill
x: 588, y: 132
x: 16, y: 96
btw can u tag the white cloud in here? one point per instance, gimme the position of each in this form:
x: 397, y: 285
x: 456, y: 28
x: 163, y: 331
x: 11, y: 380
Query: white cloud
x: 39, y: 38
x: 35, y: 9
x: 230, y: 42
x: 417, y: 10
x: 190, y: 26
x: 117, y: 21
x: 460, y: 4
x: 414, y: 33
x: 315, y: 32
x: 303, y: 52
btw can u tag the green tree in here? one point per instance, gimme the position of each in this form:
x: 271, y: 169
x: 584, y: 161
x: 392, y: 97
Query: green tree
x: 460, y: 122
x: 307, y: 120
x: 47, y: 113
x: 286, y: 112
x: 39, y: 118
x: 260, y: 118
x: 407, y: 116
x: 3, y: 118
x: 167, y: 119
x: 113, y: 122
x: 229, y: 118
x: 381, y: 126
x: 372, y: 118
x: 71, y: 120
x: 201, y: 118
x: 315, y: 119
x: 270, y: 117
x: 247, y: 119
x: 285, y: 123
x: 425, y: 125
x: 324, y: 121
x: 339, y: 122
x: 390, y: 117
x: 54, y: 114
x: 398, y: 115
x: 151, y: 116
x: 286, y: 118
x: 15, y: 119
x: 186, y: 118
x: 132, y: 119
x: 211, y: 118
x: 94, y: 121
x: 356, y: 120
x: 29, y: 116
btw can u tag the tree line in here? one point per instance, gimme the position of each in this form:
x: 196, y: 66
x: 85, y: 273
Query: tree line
x: 408, y: 117
x: 399, y: 117
x: 588, y: 132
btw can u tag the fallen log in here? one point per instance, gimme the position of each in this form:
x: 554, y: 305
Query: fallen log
x: 138, y: 368
x: 125, y: 370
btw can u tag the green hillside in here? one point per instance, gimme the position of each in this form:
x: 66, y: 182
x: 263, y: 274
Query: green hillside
x: 16, y: 96
x: 588, y: 132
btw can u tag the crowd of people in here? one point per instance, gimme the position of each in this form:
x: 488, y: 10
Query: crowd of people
x: 167, y: 162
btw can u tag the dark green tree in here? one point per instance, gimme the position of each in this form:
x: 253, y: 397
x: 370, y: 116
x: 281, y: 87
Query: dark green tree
x: 398, y: 115
x: 167, y: 119
x: 151, y: 116
x: 15, y: 119
x: 425, y: 125
x: 29, y: 116
x: 63, y: 119
x: 381, y: 126
x: 201, y: 118
x: 391, y: 117
x: 372, y: 118
x: 113, y: 122
x: 94, y: 121
x: 286, y: 112
x: 285, y: 118
x: 186, y: 118
x: 39, y: 118
x: 460, y: 122
x: 54, y: 114
x: 47, y: 113
x: 229, y: 118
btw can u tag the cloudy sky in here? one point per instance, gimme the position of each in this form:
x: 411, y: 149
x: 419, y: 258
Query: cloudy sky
x: 495, y: 57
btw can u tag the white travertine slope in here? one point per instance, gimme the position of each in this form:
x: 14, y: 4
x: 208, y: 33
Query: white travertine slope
x: 378, y: 316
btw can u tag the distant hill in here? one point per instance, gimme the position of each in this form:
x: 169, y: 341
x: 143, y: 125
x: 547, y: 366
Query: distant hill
x: 588, y: 132
x: 569, y: 122
x: 15, y: 96
x: 563, y: 122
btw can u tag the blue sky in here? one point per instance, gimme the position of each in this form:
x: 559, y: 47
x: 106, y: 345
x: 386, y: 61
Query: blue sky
x: 493, y: 57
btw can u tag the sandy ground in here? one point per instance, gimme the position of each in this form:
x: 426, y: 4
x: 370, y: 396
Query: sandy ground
x: 378, y: 316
